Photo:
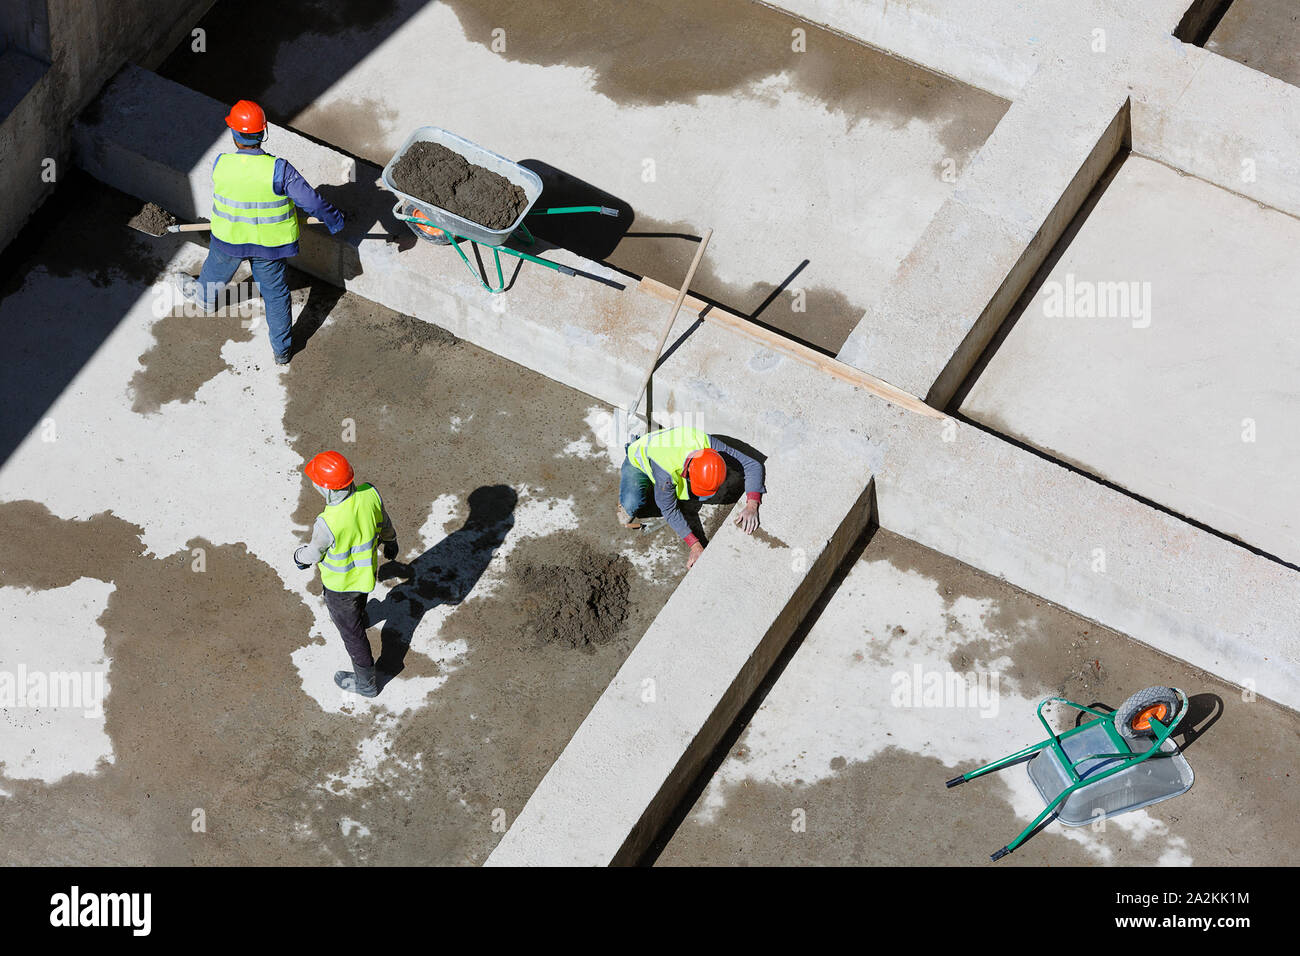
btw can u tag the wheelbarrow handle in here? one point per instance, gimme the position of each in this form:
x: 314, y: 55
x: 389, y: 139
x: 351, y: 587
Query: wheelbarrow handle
x: 565, y: 210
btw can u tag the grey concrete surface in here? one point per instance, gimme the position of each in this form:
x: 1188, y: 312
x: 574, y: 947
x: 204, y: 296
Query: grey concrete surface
x: 919, y: 669
x: 148, y: 517
x: 1159, y: 354
x: 1262, y: 34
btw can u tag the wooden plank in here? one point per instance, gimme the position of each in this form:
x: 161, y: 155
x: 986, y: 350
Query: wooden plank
x: 795, y: 350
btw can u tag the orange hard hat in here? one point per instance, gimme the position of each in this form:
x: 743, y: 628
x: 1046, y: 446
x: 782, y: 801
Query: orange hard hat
x: 330, y: 470
x: 706, y: 472
x: 246, y: 117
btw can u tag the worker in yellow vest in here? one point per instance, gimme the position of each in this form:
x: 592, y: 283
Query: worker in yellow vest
x: 254, y: 195
x: 345, y: 542
x: 677, y: 464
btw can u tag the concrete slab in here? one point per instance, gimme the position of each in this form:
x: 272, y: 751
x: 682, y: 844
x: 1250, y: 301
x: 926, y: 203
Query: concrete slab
x: 1262, y: 34
x: 1158, y: 354
x: 819, y: 161
x: 920, y: 668
x: 160, y: 477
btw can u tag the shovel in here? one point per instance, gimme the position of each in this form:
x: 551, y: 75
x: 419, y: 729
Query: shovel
x: 153, y: 220
x: 628, y: 418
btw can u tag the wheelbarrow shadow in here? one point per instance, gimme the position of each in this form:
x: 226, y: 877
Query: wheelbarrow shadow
x: 445, y: 574
x: 587, y: 234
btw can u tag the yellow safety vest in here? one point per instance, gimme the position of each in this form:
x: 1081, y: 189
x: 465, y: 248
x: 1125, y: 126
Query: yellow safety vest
x: 245, y: 207
x: 349, y: 564
x: 668, y: 449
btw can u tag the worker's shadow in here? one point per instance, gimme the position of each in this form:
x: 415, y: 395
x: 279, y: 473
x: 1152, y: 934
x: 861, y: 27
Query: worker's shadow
x: 445, y: 574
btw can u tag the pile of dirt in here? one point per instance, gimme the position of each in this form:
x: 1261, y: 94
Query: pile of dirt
x: 575, y: 595
x: 152, y: 219
x: 440, y: 176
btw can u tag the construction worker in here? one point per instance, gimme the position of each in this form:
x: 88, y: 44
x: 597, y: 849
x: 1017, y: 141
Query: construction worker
x: 344, y: 542
x: 677, y: 464
x: 253, y: 218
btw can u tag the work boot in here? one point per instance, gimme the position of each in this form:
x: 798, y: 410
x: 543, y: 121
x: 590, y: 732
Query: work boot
x: 189, y: 288
x: 362, y: 681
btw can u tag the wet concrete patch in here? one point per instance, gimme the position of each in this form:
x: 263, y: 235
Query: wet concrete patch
x: 677, y: 52
x: 186, y: 353
x: 205, y: 712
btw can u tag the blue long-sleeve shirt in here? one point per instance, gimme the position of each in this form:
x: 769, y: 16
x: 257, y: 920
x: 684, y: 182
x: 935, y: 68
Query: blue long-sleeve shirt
x: 666, y: 492
x: 286, y: 181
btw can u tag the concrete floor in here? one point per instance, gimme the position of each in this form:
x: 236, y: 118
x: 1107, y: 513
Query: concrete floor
x: 818, y: 168
x: 838, y: 738
x: 164, y: 514
x: 1190, y: 397
x: 1263, y: 34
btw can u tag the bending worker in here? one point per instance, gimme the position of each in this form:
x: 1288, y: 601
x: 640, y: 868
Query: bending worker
x: 677, y: 464
x: 253, y: 218
x: 344, y: 542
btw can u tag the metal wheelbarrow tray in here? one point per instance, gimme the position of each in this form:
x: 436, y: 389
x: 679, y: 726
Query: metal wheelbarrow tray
x: 1122, y: 761
x: 421, y: 215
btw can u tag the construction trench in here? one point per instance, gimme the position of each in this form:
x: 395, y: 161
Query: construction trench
x: 1085, y: 496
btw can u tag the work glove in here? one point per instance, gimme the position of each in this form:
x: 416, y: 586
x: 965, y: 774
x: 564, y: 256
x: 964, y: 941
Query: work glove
x: 390, y: 550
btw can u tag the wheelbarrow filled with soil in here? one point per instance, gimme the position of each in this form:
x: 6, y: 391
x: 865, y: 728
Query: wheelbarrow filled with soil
x: 451, y: 190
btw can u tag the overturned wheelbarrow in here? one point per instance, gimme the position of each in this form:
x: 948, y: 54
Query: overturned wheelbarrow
x: 1122, y: 761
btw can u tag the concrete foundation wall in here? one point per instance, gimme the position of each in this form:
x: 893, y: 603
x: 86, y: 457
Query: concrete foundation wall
x: 88, y: 42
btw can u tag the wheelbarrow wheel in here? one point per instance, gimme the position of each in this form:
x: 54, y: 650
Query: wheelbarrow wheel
x: 1133, y: 718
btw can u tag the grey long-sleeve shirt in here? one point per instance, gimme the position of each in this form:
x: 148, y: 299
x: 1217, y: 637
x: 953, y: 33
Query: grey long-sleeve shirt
x: 666, y: 493
x: 322, y: 538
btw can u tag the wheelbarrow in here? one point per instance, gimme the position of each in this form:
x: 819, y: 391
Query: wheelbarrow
x: 1121, y: 761
x: 437, y: 225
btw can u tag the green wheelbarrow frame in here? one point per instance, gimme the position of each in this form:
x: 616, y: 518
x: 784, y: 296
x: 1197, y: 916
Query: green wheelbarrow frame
x: 1124, y: 753
x: 521, y: 233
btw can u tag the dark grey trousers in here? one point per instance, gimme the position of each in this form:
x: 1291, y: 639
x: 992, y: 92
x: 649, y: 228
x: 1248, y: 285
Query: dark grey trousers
x: 348, y: 612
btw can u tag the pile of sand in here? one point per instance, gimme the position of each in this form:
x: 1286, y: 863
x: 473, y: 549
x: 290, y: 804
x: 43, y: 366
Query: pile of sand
x: 440, y: 176
x: 575, y: 596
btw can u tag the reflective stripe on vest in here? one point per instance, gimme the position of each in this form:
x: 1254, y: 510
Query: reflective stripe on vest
x: 246, y: 209
x: 349, y: 565
x: 668, y: 449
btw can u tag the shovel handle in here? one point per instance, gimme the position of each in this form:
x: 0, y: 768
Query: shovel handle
x: 205, y: 226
